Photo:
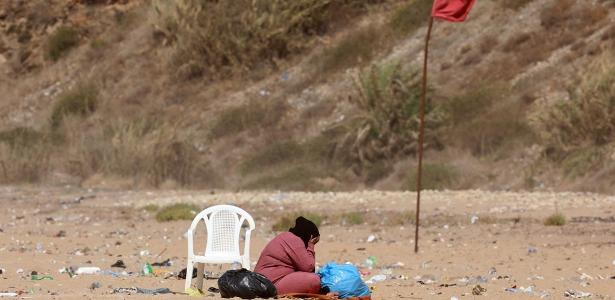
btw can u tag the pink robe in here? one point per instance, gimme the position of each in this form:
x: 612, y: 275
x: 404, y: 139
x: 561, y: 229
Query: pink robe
x: 289, y: 265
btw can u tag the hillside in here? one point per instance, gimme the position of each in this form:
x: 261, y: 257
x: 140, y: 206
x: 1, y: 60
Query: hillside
x: 306, y: 95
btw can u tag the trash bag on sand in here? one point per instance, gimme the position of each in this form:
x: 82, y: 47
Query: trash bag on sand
x: 343, y: 279
x: 245, y: 285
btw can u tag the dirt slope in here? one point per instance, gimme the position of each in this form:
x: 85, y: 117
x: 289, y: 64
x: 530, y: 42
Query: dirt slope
x: 282, y: 126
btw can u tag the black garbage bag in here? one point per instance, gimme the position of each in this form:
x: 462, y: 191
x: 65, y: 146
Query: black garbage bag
x: 245, y: 285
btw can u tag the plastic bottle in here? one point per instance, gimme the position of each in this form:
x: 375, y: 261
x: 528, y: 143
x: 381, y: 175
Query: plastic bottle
x: 236, y: 265
x: 147, y: 269
x: 87, y: 270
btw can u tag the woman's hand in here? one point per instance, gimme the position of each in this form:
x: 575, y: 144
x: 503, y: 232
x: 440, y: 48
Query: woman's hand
x: 313, y: 240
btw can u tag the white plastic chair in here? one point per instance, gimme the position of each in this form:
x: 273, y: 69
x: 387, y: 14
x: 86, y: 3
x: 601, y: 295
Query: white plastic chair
x: 223, y: 224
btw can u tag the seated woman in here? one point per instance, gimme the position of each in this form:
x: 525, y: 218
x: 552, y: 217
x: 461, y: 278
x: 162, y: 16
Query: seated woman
x: 289, y: 259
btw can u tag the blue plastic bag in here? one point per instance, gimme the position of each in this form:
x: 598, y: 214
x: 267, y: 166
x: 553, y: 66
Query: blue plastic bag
x: 343, y: 279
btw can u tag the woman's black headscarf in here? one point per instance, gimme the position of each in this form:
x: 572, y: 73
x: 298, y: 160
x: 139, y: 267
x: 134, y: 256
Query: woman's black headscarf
x: 304, y: 229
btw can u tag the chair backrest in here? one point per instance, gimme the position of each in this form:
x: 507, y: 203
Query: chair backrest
x: 223, y: 224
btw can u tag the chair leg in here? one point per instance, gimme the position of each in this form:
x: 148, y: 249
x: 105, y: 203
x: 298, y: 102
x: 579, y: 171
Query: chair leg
x: 200, y: 272
x: 189, y: 268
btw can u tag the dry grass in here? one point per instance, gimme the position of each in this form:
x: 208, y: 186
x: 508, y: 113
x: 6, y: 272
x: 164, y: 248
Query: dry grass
x: 81, y: 100
x: 435, y: 177
x: 556, y: 219
x: 61, y: 42
x: 410, y: 16
x: 588, y: 118
x: 180, y: 211
x: 287, y: 221
x: 253, y: 115
x: 24, y: 155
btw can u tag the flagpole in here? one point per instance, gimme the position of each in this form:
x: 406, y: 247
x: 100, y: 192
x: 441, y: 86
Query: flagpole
x: 421, y: 138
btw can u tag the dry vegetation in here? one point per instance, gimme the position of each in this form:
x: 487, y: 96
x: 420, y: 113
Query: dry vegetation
x: 148, y: 132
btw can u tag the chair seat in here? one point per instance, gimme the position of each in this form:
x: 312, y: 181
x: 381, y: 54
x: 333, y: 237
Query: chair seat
x: 218, y: 258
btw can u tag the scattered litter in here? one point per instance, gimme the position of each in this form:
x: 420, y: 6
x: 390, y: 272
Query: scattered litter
x: 136, y: 290
x: 85, y: 270
x: 192, y: 292
x: 474, y: 219
x: 370, y: 262
x: 264, y: 92
x: 19, y: 271
x: 371, y: 238
x: 165, y: 263
x: 147, y: 269
x: 531, y: 250
x: 577, y: 294
x: 425, y: 279
x: 119, y: 264
x: 61, y: 233
x: 40, y: 277
x: 447, y: 285
x: 478, y: 290
x: 5, y: 294
x: 614, y: 262
x: 376, y: 278
x: 40, y: 248
x: 528, y: 291
x: 2, y: 271
x: 144, y: 253
x: 454, y: 298
x: 95, y: 285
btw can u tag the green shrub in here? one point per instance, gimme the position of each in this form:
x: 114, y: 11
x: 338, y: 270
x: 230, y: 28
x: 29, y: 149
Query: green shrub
x: 435, y: 177
x: 82, y: 100
x: 287, y: 221
x: 556, y: 219
x: 387, y: 123
x: 61, y: 42
x: 180, y: 211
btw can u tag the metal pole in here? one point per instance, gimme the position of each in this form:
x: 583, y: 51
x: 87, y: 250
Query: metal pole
x: 421, y: 138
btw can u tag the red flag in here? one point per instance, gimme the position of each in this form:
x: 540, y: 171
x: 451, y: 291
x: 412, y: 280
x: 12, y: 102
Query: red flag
x: 452, y: 10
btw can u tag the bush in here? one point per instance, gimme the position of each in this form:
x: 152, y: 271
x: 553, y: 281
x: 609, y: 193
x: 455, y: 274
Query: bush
x: 435, y: 177
x: 224, y: 37
x: 387, y: 123
x: 288, y: 221
x: 352, y: 218
x: 82, y: 100
x: 24, y: 155
x: 556, y: 219
x: 61, y: 42
x: 180, y: 211
x: 588, y: 118
x: 21, y: 137
x: 357, y: 47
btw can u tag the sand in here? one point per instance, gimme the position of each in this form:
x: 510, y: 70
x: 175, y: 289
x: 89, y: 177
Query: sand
x: 507, y: 246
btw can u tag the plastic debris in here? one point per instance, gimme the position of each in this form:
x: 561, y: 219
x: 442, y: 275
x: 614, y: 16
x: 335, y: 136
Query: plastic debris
x: 425, y: 279
x: 474, y: 219
x: 371, y: 238
x: 165, y: 263
x: 8, y: 294
x: 528, y: 291
x: 370, y: 262
x: 376, y: 278
x: 614, y: 262
x: 119, y: 264
x: 136, y: 290
x: 19, y: 271
x: 192, y: 292
x: 40, y: 277
x: 147, y: 269
x: 2, y: 271
x: 95, y: 285
x: 454, y: 298
x: 61, y: 233
x: 144, y: 253
x: 85, y: 270
x: 478, y: 290
x: 577, y: 294
x: 531, y: 250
